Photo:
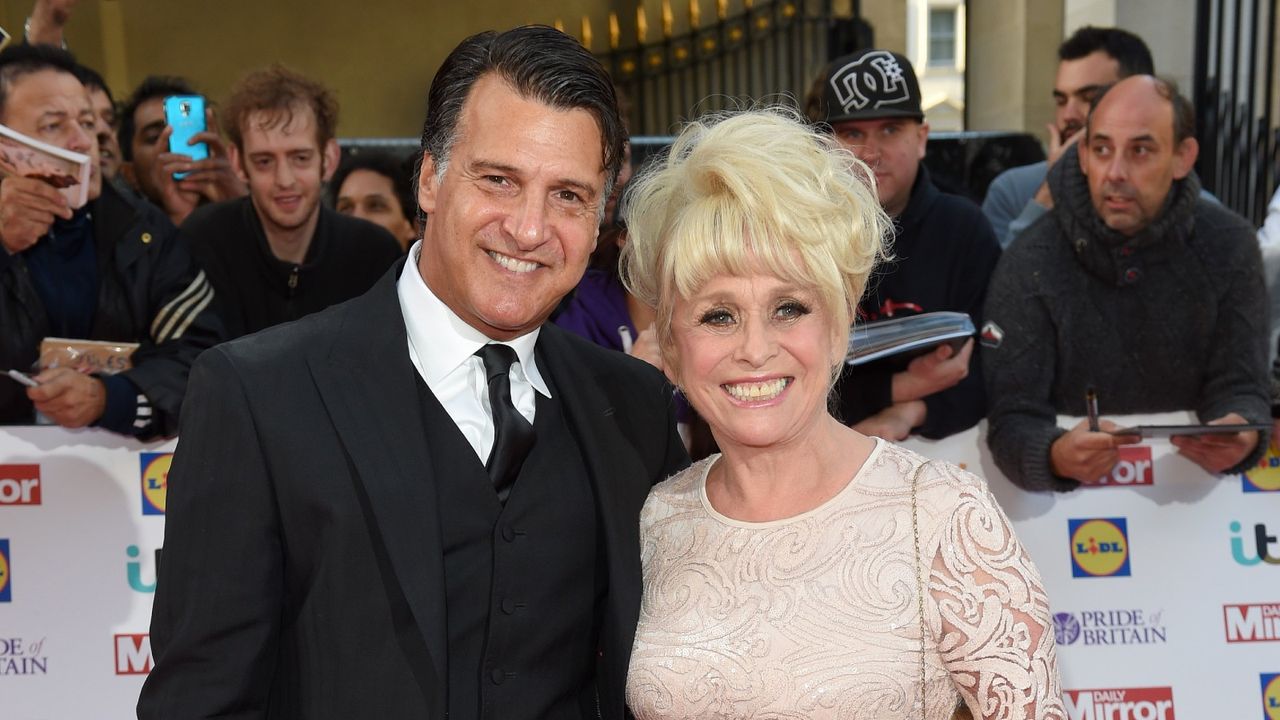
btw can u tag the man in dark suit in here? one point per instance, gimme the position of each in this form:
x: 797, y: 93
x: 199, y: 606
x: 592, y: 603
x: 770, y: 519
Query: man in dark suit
x: 365, y: 519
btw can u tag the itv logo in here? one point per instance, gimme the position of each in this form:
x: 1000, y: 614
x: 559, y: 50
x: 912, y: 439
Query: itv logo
x: 133, y: 570
x: 133, y: 654
x: 1262, y: 541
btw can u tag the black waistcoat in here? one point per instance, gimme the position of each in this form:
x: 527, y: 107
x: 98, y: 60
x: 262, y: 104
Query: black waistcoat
x: 524, y: 583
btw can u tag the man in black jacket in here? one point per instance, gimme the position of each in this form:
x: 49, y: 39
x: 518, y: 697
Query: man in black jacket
x: 110, y: 270
x: 336, y: 543
x: 944, y: 252
x: 280, y: 253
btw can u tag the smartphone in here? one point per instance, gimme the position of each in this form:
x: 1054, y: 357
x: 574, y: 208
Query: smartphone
x: 185, y: 114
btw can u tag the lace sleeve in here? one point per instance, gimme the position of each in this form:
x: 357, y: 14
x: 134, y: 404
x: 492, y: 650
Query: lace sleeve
x: 991, y: 615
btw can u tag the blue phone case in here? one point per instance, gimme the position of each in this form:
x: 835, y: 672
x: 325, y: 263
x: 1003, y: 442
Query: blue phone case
x: 185, y: 114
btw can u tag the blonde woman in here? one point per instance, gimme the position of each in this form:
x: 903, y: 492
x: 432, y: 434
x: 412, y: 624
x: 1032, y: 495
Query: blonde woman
x: 807, y: 571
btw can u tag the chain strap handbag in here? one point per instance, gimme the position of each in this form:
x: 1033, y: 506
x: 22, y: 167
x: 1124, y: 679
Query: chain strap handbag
x: 962, y: 711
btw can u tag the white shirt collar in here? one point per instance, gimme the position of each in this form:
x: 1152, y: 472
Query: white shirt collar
x: 440, y: 342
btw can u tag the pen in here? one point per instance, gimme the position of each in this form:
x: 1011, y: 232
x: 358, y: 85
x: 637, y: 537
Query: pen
x: 1091, y: 407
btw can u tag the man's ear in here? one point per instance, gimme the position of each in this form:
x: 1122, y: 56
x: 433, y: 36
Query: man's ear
x: 237, y: 162
x: 1184, y: 157
x: 428, y: 185
x: 923, y: 131
x: 1082, y: 152
x: 330, y: 156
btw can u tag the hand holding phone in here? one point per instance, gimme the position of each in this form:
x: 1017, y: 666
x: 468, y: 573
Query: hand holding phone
x: 185, y: 114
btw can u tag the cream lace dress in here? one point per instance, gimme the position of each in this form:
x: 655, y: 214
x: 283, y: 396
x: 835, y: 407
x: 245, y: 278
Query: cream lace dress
x: 816, y: 616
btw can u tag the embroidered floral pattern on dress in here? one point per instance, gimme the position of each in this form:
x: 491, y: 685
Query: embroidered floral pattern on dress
x: 816, y: 616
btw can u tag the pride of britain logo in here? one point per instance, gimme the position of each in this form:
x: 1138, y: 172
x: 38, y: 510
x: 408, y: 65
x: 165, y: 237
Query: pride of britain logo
x: 876, y: 76
x: 1110, y: 627
x: 1099, y: 547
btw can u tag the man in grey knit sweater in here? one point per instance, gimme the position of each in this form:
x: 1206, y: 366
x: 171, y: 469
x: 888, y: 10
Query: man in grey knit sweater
x: 1132, y: 285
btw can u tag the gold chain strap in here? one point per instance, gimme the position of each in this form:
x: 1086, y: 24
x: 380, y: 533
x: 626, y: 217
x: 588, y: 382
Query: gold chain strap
x: 961, y: 712
x: 915, y: 531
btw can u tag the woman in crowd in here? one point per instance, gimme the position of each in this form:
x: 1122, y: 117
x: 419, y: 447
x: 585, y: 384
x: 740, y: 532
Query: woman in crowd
x: 807, y: 571
x: 375, y: 187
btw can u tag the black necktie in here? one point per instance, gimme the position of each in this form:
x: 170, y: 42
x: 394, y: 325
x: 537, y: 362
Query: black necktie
x: 512, y: 433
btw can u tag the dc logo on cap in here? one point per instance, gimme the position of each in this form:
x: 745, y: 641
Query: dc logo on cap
x: 876, y: 76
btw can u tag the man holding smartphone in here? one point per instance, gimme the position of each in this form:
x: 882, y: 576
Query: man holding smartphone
x: 280, y: 253
x: 151, y: 166
x: 111, y: 270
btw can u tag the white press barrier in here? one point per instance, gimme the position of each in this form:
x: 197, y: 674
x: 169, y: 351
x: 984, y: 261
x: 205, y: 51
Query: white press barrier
x: 1165, y: 584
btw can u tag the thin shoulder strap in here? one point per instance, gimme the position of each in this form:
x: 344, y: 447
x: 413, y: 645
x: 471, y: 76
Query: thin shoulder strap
x: 915, y: 531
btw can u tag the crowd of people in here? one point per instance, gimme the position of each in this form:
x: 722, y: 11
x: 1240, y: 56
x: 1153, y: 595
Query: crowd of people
x: 439, y: 437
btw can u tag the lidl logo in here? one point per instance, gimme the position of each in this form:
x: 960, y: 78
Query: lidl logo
x: 1099, y: 547
x: 1270, y: 696
x: 133, y: 654
x: 1134, y: 468
x: 19, y: 484
x: 6, y: 582
x: 1265, y: 476
x: 1153, y: 703
x: 1251, y: 623
x: 155, y: 482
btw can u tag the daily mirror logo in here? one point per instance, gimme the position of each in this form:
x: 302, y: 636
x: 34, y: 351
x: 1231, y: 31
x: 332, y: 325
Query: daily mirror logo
x: 19, y: 484
x: 1153, y: 703
x: 1099, y: 547
x: 1252, y: 623
x: 1134, y: 468
x: 155, y: 482
x: 133, y: 654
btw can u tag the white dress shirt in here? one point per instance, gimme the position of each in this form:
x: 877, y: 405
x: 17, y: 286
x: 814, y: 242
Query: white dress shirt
x: 442, y: 347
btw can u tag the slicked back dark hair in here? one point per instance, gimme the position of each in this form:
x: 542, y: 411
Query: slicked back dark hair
x: 540, y: 63
x: 19, y: 60
x: 1126, y: 48
x: 152, y: 87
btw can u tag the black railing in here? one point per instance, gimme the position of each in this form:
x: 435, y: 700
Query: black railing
x: 770, y: 51
x: 1235, y: 96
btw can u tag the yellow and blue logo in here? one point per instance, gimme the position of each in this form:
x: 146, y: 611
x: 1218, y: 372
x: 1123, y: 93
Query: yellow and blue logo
x: 6, y: 586
x: 155, y: 482
x: 1265, y: 476
x: 1270, y: 696
x: 1099, y: 547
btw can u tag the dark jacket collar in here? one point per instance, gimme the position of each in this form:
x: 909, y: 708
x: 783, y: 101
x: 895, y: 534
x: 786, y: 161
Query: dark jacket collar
x: 923, y: 195
x: 1104, y: 252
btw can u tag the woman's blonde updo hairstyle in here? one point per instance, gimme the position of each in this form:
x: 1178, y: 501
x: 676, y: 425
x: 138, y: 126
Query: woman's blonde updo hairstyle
x: 747, y: 191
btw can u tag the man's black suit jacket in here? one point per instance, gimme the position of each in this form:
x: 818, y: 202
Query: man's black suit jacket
x: 303, y: 571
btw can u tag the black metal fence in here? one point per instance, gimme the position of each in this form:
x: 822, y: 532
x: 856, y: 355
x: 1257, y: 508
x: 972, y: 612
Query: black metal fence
x: 771, y: 50
x: 1235, y: 98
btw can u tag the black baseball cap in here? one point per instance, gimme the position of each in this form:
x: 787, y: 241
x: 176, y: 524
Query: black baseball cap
x: 869, y: 85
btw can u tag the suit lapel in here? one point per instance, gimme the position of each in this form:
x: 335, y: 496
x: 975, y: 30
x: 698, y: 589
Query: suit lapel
x: 611, y: 461
x: 367, y: 384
